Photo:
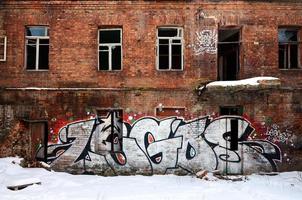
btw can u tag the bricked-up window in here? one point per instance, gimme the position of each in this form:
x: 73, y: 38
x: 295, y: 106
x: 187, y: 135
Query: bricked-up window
x: 231, y: 110
x: 170, y: 112
x: 37, y: 48
x: 3, y: 42
x: 288, y: 48
x: 169, y: 48
x: 110, y: 49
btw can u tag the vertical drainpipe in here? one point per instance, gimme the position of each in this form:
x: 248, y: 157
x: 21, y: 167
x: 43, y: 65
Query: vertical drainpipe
x: 242, y: 159
x: 45, y: 140
x: 112, y: 129
x: 226, y: 149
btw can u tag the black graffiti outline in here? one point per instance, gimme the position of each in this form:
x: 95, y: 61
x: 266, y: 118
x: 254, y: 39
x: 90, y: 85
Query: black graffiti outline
x: 270, y: 157
x: 171, y: 134
x: 245, y: 134
x: 242, y: 140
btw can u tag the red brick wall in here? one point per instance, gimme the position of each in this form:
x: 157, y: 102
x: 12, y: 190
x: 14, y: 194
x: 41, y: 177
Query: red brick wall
x: 16, y: 143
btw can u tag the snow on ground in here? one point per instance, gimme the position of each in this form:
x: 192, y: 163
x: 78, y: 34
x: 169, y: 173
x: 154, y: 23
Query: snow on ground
x: 250, y: 81
x: 63, y: 186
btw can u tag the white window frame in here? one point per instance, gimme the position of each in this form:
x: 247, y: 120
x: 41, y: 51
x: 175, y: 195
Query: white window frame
x: 179, y: 36
x: 110, y: 45
x: 4, y: 47
x: 37, y: 38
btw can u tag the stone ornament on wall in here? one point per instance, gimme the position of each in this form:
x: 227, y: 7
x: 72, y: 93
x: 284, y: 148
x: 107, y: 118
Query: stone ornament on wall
x: 171, y: 145
x: 205, y: 42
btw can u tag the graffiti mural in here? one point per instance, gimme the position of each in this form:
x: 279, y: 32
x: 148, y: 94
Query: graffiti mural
x: 275, y: 134
x: 206, y: 42
x: 153, y: 146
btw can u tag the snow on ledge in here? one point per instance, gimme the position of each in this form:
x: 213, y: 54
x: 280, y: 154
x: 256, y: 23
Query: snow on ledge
x: 256, y: 81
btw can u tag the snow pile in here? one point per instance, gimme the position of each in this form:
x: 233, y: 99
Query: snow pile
x: 63, y: 186
x: 251, y: 82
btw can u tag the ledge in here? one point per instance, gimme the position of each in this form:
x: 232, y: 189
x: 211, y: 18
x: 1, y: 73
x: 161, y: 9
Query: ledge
x: 256, y: 83
x: 92, y: 89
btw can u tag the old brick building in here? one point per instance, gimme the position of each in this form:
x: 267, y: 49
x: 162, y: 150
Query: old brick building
x: 124, y: 87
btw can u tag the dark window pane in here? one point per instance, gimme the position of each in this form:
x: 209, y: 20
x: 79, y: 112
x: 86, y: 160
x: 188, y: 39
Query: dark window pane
x: 30, y: 57
x: 116, y: 58
x: 44, y: 41
x: 285, y: 35
x: 176, y: 56
x: 103, y: 60
x: 103, y: 48
x: 176, y: 62
x: 293, y: 56
x: 281, y: 56
x: 231, y: 35
x: 31, y: 41
x: 2, y: 49
x: 167, y: 32
x: 163, y: 62
x: 36, y: 31
x: 43, y: 56
x: 163, y: 50
x: 176, y: 49
x: 110, y: 36
x: 164, y: 41
x: 176, y: 41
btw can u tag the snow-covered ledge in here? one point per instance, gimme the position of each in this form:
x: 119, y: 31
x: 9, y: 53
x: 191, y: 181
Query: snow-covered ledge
x: 244, y: 84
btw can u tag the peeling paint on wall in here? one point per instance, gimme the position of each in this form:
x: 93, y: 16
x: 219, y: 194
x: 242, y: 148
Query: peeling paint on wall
x: 171, y: 145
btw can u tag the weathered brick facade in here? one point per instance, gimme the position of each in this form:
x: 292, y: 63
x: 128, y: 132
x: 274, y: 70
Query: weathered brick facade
x: 74, y: 89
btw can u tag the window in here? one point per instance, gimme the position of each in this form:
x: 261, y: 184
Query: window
x: 110, y: 49
x: 169, y: 48
x: 231, y: 110
x: 228, y: 54
x: 3, y: 48
x: 37, y: 48
x: 288, y: 48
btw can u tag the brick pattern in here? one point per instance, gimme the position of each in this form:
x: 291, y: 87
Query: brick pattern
x: 73, y: 42
x: 139, y: 87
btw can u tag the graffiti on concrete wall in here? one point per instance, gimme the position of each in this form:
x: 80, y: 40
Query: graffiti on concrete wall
x: 206, y: 42
x: 171, y: 145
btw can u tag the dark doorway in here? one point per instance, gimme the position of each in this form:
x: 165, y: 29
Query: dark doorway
x: 228, y: 54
